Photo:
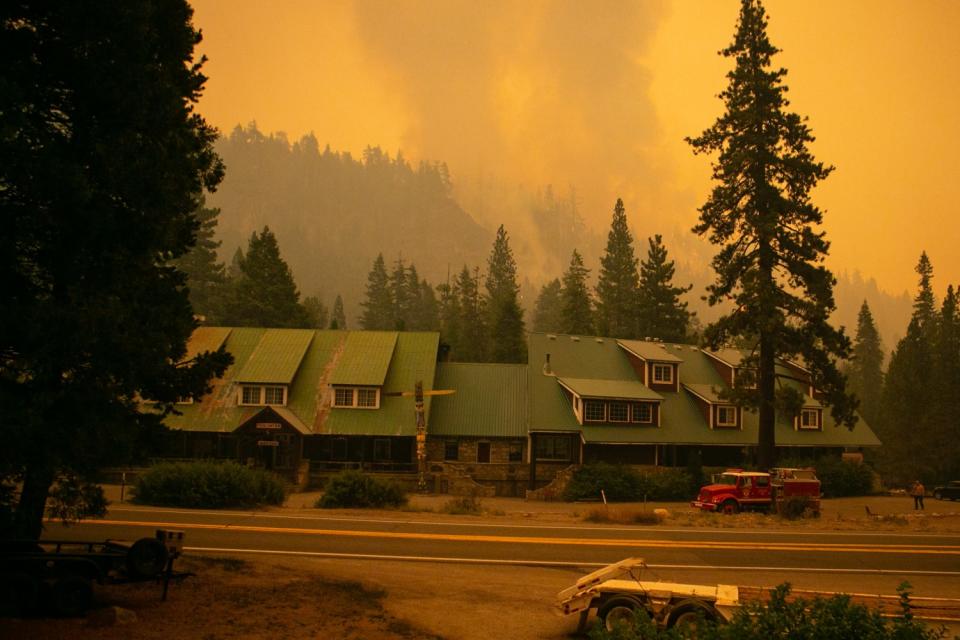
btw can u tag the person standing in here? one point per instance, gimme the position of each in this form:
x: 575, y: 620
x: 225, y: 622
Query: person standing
x: 917, y: 491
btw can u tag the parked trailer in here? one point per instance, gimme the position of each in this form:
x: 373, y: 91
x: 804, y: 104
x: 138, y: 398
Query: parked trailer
x: 617, y: 591
x: 62, y: 573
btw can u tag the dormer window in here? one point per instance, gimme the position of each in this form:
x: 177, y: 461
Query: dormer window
x: 746, y: 378
x: 642, y: 413
x: 259, y: 395
x: 619, y: 412
x: 726, y: 416
x: 810, y: 419
x: 662, y: 373
x: 356, y: 397
x: 594, y: 411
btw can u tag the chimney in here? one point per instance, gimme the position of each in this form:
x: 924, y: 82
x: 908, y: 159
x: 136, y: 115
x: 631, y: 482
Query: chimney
x: 547, y: 370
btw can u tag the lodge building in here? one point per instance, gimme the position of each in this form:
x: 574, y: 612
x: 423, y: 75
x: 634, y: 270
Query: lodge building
x: 308, y: 403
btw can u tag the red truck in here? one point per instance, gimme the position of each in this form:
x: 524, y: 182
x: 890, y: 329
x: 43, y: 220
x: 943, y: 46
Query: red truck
x: 737, y: 490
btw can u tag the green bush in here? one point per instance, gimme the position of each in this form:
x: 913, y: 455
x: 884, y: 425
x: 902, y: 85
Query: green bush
x: 838, y: 478
x: 208, y: 485
x: 833, y: 618
x: 463, y: 506
x: 794, y: 507
x: 623, y: 484
x: 354, y: 489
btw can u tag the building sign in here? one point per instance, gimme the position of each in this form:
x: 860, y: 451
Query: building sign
x: 269, y: 426
x: 267, y: 443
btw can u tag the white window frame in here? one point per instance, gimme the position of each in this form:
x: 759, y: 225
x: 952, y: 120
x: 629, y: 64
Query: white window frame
x: 626, y: 413
x: 659, y: 367
x: 355, y: 397
x: 633, y: 412
x: 590, y: 403
x: 283, y: 395
x: 723, y: 408
x: 242, y: 401
x: 816, y: 419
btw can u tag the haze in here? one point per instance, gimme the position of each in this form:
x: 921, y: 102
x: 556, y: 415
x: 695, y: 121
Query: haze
x: 600, y: 95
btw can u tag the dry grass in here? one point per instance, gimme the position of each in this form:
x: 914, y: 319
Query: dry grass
x: 614, y: 515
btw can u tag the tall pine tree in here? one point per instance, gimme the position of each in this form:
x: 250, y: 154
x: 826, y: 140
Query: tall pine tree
x: 946, y: 409
x: 265, y: 294
x: 338, y: 319
x: 473, y: 338
x: 378, y: 306
x: 504, y: 315
x: 449, y: 316
x: 548, y: 310
x: 206, y: 276
x: 770, y: 264
x: 577, y: 311
x: 865, y: 373
x: 660, y: 313
x: 617, y: 283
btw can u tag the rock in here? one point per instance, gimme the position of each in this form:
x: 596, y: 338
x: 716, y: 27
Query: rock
x: 662, y: 514
x: 111, y: 616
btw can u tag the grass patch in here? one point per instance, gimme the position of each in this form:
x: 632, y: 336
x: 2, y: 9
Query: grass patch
x: 601, y: 515
x: 463, y: 506
x: 232, y: 565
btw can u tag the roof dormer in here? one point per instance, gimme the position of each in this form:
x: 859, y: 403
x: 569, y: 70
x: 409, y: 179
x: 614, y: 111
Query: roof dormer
x: 656, y: 366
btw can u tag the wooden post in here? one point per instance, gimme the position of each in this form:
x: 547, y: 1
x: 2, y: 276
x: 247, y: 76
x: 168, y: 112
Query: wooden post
x: 533, y: 461
x: 421, y: 439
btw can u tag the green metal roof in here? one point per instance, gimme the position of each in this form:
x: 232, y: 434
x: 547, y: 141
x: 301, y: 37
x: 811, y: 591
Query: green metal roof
x: 622, y: 389
x: 729, y: 356
x: 490, y: 400
x: 708, y: 392
x: 651, y: 351
x: 206, y: 339
x: 277, y: 357
x: 366, y: 358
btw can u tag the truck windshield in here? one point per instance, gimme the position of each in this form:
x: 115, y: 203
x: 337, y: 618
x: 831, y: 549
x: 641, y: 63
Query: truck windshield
x: 726, y: 478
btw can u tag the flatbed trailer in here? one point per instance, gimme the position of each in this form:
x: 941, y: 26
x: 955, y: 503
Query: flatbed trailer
x: 616, y: 591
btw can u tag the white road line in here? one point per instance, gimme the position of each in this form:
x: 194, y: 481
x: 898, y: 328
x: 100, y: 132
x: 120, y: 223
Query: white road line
x: 551, y: 563
x: 246, y: 515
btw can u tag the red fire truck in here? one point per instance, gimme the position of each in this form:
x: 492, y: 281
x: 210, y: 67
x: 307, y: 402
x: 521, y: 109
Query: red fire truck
x: 737, y: 490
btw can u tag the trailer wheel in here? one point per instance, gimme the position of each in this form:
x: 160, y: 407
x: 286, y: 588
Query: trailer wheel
x: 617, y: 611
x: 729, y: 507
x: 71, y: 596
x: 146, y: 558
x: 688, y: 613
x: 18, y: 593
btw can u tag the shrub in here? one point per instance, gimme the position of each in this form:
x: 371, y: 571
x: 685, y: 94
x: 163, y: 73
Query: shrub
x: 794, y: 507
x: 838, y: 478
x: 354, y: 489
x: 208, y: 485
x: 623, y: 484
x: 463, y: 505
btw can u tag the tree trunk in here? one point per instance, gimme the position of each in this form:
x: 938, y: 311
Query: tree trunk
x: 766, y: 449
x: 28, y: 520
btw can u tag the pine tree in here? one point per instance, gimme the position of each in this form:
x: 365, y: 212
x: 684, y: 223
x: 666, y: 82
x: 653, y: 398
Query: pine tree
x: 400, y: 293
x: 577, y: 308
x: 504, y: 315
x: 378, y: 307
x: 449, y: 316
x: 317, y: 313
x: 660, y: 313
x: 473, y: 340
x: 618, y: 282
x: 265, y: 294
x: 548, y: 309
x: 946, y: 401
x: 233, y: 270
x: 206, y: 277
x: 909, y: 395
x: 427, y: 312
x: 865, y: 376
x: 770, y: 263
x: 338, y: 320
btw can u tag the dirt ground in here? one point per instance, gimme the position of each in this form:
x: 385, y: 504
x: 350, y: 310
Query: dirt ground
x: 293, y: 598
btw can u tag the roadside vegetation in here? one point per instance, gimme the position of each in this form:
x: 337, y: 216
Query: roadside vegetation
x: 838, y: 478
x: 353, y: 489
x: 833, y: 618
x: 208, y: 485
x: 620, y: 483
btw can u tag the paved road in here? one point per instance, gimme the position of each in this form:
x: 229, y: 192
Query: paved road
x: 539, y: 544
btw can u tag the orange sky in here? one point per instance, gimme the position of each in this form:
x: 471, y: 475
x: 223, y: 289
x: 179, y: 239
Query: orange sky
x: 601, y: 94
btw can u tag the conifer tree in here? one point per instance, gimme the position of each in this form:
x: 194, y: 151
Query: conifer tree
x: 548, y: 309
x: 427, y: 316
x: 577, y: 311
x: 865, y: 377
x: 206, y: 276
x: 504, y: 315
x: 617, y: 283
x: 946, y: 407
x: 413, y: 321
x: 400, y: 293
x: 769, y: 267
x: 265, y: 294
x: 378, y: 307
x: 449, y: 316
x: 317, y: 313
x: 660, y: 313
x: 473, y: 337
x: 338, y: 319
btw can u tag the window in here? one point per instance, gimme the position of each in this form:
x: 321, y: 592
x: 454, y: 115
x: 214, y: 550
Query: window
x: 250, y: 395
x: 642, y: 412
x: 342, y: 397
x: 516, y: 452
x: 594, y: 411
x: 726, y: 416
x: 451, y: 450
x: 809, y: 419
x: 273, y: 395
x: 663, y: 373
x: 553, y: 448
x: 367, y: 398
x: 483, y: 452
x: 338, y: 449
x: 747, y: 378
x: 618, y: 412
x: 381, y: 449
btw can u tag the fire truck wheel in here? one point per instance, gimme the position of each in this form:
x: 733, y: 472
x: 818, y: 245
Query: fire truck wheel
x: 18, y: 593
x: 617, y: 611
x: 688, y: 613
x: 729, y: 507
x: 71, y: 596
x: 146, y: 558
